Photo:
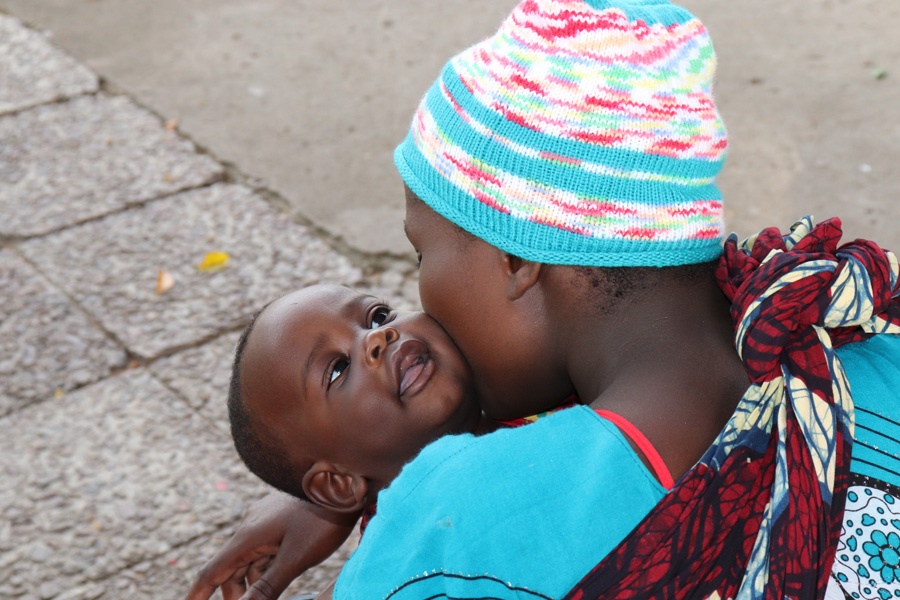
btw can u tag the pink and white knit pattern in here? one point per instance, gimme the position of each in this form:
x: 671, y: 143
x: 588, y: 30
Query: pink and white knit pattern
x: 600, y: 78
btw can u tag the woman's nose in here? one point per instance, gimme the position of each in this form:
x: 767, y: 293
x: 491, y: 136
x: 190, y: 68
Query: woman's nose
x: 377, y: 341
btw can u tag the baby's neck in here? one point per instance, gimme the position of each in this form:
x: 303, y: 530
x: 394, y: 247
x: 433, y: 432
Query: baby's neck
x: 485, y: 425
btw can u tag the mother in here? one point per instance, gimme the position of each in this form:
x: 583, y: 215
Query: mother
x: 561, y: 196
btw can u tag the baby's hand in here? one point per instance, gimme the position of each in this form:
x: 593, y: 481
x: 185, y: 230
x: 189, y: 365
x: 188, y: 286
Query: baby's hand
x: 279, y: 538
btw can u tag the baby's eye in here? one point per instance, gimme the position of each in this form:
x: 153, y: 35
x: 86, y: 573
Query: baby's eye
x: 337, y: 369
x: 418, y: 259
x: 380, y: 316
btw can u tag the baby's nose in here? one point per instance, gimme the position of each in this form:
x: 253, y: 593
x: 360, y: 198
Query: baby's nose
x: 377, y: 340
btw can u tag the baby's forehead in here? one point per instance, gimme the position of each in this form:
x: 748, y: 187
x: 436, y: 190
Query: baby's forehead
x: 312, y: 302
x: 283, y: 339
x: 321, y: 293
x: 277, y: 361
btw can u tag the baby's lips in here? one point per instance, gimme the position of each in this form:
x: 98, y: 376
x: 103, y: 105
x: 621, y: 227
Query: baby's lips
x: 411, y: 374
x: 407, y: 363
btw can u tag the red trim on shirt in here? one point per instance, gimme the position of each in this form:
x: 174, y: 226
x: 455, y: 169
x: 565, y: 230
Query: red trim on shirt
x: 640, y: 440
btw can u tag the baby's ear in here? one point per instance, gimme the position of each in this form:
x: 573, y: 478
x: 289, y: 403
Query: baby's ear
x: 333, y: 489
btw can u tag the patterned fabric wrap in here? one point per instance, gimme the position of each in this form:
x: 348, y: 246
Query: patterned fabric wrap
x: 580, y: 133
x: 759, y: 516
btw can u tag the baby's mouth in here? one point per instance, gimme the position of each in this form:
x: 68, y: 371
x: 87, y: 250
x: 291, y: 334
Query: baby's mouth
x: 413, y: 367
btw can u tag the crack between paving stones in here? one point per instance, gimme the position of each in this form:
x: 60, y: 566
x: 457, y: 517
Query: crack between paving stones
x: 60, y: 99
x: 7, y: 240
x: 129, y: 355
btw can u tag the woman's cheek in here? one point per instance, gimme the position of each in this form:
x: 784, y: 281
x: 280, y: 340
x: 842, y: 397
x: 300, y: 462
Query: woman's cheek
x: 425, y: 288
x: 434, y: 291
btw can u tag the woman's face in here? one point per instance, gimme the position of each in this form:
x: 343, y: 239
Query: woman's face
x: 463, y: 284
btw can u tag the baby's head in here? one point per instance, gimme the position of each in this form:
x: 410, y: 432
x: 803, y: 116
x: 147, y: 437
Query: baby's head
x: 333, y: 391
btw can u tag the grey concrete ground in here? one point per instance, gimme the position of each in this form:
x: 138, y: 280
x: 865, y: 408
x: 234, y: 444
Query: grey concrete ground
x: 138, y: 135
x: 117, y: 476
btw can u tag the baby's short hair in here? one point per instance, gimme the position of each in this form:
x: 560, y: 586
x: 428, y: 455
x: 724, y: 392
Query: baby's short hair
x: 253, y: 440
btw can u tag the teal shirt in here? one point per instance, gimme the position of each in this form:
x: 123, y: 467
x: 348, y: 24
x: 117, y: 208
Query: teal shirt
x: 873, y: 369
x: 527, y: 512
x: 503, y: 515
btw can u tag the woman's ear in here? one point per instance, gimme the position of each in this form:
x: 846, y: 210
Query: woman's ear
x: 521, y: 275
x: 333, y: 489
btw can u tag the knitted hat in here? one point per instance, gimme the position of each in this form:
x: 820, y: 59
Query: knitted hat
x: 581, y: 133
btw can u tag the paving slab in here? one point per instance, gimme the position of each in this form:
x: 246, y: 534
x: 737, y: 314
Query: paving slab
x: 111, y: 266
x: 47, y: 345
x: 809, y: 93
x: 170, y: 575
x: 33, y: 71
x: 111, y: 475
x: 67, y: 162
x: 200, y: 376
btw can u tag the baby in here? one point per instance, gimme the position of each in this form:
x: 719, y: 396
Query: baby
x: 333, y: 392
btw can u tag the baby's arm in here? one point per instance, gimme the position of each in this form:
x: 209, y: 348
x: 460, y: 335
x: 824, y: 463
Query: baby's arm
x: 279, y: 539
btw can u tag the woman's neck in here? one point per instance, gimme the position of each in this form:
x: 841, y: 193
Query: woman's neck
x: 664, y: 359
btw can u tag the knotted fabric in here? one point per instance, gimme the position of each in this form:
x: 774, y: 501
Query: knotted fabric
x: 759, y: 516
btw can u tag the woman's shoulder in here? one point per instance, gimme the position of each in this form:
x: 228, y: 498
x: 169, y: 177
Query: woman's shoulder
x: 882, y: 348
x: 556, y: 447
x: 873, y: 371
x: 464, y: 497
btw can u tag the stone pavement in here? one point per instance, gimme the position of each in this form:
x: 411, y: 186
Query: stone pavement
x: 117, y: 476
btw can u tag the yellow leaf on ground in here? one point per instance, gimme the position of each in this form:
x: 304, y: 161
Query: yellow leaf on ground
x: 164, y: 281
x: 213, y: 261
